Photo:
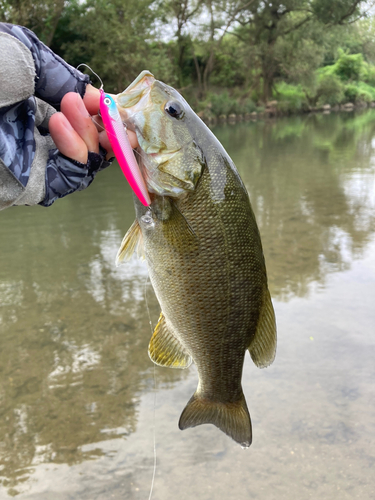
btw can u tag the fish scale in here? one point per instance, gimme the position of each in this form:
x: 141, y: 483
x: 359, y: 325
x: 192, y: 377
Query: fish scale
x: 205, y: 261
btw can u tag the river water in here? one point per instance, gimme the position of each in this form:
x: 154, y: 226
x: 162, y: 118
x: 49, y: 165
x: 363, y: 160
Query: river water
x: 79, y: 411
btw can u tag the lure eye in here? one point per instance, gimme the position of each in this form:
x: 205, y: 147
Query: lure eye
x: 174, y: 109
x: 107, y: 101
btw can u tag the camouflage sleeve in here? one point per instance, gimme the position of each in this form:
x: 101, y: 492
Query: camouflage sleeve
x: 64, y: 176
x: 54, y: 77
x: 33, y: 80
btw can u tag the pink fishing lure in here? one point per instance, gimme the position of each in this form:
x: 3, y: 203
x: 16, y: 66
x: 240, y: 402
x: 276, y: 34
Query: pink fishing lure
x: 121, y: 147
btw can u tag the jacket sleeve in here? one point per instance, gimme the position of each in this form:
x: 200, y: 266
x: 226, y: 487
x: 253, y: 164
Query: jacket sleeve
x: 53, y: 76
x: 33, y: 80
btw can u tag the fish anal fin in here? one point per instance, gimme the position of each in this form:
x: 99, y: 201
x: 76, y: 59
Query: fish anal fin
x: 231, y: 418
x: 133, y: 241
x: 263, y: 347
x: 165, y: 350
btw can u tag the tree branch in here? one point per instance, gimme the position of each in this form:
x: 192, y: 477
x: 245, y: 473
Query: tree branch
x: 363, y: 14
x: 350, y: 12
x: 296, y: 26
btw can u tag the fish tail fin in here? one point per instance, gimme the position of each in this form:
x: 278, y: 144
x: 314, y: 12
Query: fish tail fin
x: 232, y: 418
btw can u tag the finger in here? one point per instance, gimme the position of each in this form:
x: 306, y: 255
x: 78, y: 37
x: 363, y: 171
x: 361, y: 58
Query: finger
x: 73, y: 108
x: 91, y: 99
x: 98, y: 122
x: 67, y: 141
x: 104, y: 142
x: 133, y: 139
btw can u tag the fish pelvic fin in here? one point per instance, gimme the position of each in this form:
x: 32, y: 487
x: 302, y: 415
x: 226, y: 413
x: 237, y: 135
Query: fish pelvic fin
x: 133, y: 241
x: 165, y: 350
x: 232, y: 418
x: 263, y: 347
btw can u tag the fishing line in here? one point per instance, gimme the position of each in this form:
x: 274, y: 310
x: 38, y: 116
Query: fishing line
x: 147, y: 307
x: 154, y: 412
x: 93, y: 72
x: 97, y: 123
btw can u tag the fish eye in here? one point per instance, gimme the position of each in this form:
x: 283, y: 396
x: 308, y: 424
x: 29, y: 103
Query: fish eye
x: 107, y: 101
x: 174, y: 109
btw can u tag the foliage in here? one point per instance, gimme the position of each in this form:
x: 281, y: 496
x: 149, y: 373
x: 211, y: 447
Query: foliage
x: 356, y: 94
x: 122, y: 50
x: 299, y: 55
x: 369, y: 74
x: 366, y: 88
x: 42, y: 17
x: 335, y: 11
x: 229, y: 71
x: 224, y: 55
x: 349, y: 67
x: 351, y: 92
x: 223, y: 104
x: 264, y: 24
x: 291, y: 98
x: 330, y: 90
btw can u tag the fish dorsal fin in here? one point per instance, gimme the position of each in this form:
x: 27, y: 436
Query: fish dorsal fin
x: 263, y: 347
x: 133, y: 240
x: 165, y: 350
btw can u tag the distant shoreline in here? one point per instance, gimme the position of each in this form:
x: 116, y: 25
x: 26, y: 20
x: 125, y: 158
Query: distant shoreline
x: 271, y: 111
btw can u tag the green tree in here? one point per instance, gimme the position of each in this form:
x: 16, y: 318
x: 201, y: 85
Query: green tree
x: 42, y: 17
x: 265, y: 22
x: 182, y: 13
x: 116, y: 39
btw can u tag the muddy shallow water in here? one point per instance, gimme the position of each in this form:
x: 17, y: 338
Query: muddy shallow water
x: 77, y: 398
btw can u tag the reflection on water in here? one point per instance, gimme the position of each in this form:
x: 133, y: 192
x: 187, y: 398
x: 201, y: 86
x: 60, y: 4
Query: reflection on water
x: 76, y: 401
x: 312, y: 185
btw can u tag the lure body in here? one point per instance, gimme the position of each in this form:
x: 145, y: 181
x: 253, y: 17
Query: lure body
x: 121, y: 147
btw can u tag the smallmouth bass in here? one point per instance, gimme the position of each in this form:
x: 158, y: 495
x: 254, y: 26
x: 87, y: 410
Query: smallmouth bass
x: 204, y: 254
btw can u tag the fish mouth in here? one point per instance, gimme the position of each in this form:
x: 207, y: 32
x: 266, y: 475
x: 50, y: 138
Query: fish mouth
x: 135, y: 97
x: 146, y: 78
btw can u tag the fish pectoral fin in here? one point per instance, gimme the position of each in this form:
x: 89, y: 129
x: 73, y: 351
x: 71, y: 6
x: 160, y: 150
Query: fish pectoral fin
x: 133, y: 240
x: 232, y: 418
x: 165, y: 350
x: 263, y: 347
x: 178, y: 232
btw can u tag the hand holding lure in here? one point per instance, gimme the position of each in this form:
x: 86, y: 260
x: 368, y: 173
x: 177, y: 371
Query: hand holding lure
x: 121, y: 147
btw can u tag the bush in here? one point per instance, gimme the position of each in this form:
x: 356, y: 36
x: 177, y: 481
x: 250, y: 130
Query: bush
x: 248, y: 106
x: 291, y: 98
x: 330, y: 90
x: 364, y: 96
x: 365, y: 87
x: 349, y: 67
x: 351, y: 92
x: 369, y: 76
x: 223, y: 104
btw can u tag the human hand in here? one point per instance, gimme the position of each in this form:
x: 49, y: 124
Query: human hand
x: 77, y: 129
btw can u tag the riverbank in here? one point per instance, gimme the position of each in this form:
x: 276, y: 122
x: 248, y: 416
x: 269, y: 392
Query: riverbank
x: 272, y: 110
